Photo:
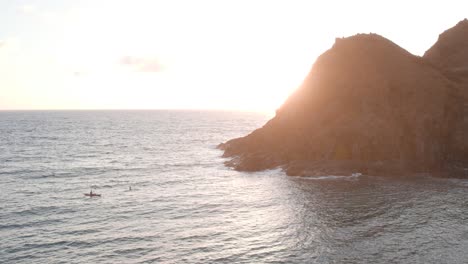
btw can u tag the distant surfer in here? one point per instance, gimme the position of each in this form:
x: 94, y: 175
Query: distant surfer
x: 91, y: 194
x: 129, y: 188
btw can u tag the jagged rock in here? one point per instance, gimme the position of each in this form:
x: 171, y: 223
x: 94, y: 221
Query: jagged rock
x: 366, y: 106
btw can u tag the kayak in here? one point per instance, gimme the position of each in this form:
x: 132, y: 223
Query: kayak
x: 92, y: 194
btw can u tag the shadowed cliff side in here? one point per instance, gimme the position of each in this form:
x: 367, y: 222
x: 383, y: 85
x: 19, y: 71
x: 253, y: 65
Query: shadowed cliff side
x: 366, y: 106
x: 450, y: 52
x: 450, y: 55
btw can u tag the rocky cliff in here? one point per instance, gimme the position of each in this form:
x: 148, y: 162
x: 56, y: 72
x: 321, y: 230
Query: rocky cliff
x: 366, y: 106
x: 450, y: 52
x: 450, y: 55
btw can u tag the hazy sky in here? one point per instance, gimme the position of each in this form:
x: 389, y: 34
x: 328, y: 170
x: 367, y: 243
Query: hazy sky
x: 247, y: 55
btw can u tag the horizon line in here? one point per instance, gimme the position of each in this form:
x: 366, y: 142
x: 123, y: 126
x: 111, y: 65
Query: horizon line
x: 140, y: 109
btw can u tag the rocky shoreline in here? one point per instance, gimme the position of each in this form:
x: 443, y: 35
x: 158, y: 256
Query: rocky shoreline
x: 307, y: 168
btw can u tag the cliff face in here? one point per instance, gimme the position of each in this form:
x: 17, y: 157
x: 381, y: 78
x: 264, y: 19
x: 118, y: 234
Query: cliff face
x: 450, y: 55
x: 367, y: 105
x: 450, y: 52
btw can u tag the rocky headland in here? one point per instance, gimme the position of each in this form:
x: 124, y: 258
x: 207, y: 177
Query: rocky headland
x: 369, y: 106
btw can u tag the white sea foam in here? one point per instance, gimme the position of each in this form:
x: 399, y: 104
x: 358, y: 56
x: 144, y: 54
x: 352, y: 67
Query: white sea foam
x: 332, y: 177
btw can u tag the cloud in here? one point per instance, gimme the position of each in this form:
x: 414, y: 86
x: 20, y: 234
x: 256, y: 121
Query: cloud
x: 78, y: 73
x: 27, y: 9
x: 8, y: 43
x: 143, y: 64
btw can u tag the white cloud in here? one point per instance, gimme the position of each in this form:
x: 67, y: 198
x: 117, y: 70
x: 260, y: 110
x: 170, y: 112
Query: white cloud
x: 9, y: 44
x: 27, y: 9
x: 143, y: 64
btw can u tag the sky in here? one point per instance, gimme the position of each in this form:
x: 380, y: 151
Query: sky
x: 218, y: 54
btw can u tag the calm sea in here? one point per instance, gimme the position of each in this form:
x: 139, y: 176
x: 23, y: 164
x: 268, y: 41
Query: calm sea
x: 185, y: 206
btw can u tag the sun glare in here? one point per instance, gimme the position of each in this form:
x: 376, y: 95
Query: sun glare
x: 247, y: 55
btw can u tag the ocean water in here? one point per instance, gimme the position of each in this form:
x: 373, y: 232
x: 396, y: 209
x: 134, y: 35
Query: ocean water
x: 185, y: 206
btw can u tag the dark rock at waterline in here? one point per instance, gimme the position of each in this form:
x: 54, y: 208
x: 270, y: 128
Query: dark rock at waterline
x: 366, y: 106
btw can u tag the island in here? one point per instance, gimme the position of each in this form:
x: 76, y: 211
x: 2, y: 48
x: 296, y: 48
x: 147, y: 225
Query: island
x: 369, y: 106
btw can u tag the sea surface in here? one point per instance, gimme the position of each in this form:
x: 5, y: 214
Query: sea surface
x: 185, y: 206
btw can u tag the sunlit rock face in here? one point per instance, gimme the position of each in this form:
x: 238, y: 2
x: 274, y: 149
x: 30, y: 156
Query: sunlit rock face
x: 367, y: 106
